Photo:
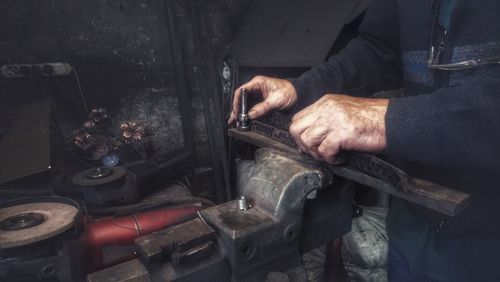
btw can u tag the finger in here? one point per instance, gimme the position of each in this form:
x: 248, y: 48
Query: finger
x: 260, y: 109
x: 314, y: 135
x: 302, y: 149
x: 232, y: 118
x: 299, y: 126
x: 313, y: 152
x: 329, y: 149
x: 311, y: 138
x: 254, y: 85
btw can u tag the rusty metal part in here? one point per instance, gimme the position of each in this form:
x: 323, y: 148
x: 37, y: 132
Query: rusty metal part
x: 267, y: 236
x: 368, y: 170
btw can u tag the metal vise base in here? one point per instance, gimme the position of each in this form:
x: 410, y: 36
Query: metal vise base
x: 266, y: 235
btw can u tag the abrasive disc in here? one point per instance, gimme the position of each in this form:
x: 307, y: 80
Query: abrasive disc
x: 33, y: 222
x: 99, y: 176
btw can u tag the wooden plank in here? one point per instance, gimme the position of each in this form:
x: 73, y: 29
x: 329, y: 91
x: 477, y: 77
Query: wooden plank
x: 430, y: 195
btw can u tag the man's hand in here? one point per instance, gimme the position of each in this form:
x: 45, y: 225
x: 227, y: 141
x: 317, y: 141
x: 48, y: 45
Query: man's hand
x: 337, y: 122
x: 277, y: 94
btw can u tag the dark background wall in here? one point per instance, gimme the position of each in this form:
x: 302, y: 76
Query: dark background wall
x: 122, y: 55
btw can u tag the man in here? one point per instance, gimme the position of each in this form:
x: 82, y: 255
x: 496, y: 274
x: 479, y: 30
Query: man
x: 445, y: 128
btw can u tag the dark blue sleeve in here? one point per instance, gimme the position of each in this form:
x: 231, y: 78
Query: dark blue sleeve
x: 368, y: 64
x: 455, y: 128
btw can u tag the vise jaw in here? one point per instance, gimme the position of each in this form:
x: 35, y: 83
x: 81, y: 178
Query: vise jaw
x: 265, y: 236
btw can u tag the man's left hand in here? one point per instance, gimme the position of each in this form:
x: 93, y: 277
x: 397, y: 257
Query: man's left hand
x: 338, y: 122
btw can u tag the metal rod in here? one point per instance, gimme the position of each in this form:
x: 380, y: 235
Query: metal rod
x: 243, y: 116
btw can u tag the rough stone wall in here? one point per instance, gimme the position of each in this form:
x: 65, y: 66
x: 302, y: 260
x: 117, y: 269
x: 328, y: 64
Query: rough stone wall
x: 121, y: 52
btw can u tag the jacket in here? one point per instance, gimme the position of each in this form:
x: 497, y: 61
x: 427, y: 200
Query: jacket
x: 446, y: 126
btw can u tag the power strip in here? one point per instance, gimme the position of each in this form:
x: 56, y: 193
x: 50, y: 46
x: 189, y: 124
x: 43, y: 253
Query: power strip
x: 35, y: 70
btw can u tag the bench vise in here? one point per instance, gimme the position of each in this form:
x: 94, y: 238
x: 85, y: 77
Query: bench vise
x: 290, y: 205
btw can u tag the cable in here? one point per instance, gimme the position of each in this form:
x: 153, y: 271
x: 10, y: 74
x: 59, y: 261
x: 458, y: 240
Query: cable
x: 184, y: 185
x: 133, y: 208
x: 82, y: 96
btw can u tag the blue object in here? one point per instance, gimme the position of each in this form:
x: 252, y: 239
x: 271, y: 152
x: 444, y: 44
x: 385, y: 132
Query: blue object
x: 111, y: 159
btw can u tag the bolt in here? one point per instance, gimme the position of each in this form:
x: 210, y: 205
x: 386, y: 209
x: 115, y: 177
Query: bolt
x: 243, y: 116
x: 242, y: 203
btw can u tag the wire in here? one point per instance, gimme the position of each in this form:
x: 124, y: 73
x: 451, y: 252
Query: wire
x: 82, y: 96
x: 129, y: 209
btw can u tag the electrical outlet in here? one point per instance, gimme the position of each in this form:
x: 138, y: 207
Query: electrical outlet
x: 35, y: 70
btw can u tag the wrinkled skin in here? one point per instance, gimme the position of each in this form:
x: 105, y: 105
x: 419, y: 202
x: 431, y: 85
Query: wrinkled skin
x: 277, y: 94
x: 333, y: 124
x: 337, y: 123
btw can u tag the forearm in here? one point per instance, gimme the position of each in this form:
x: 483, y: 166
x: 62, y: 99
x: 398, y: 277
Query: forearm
x: 368, y: 64
x: 453, y: 128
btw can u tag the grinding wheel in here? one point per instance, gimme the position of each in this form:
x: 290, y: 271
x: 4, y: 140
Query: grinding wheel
x: 28, y: 223
x: 99, y: 176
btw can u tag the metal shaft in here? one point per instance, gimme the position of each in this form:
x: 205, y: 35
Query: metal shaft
x: 244, y: 101
x: 242, y: 203
x: 243, y: 116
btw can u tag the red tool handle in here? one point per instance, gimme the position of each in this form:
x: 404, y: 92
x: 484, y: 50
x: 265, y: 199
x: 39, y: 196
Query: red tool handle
x: 123, y: 230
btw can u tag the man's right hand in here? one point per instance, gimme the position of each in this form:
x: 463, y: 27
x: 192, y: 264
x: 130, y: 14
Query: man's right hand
x: 277, y: 94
